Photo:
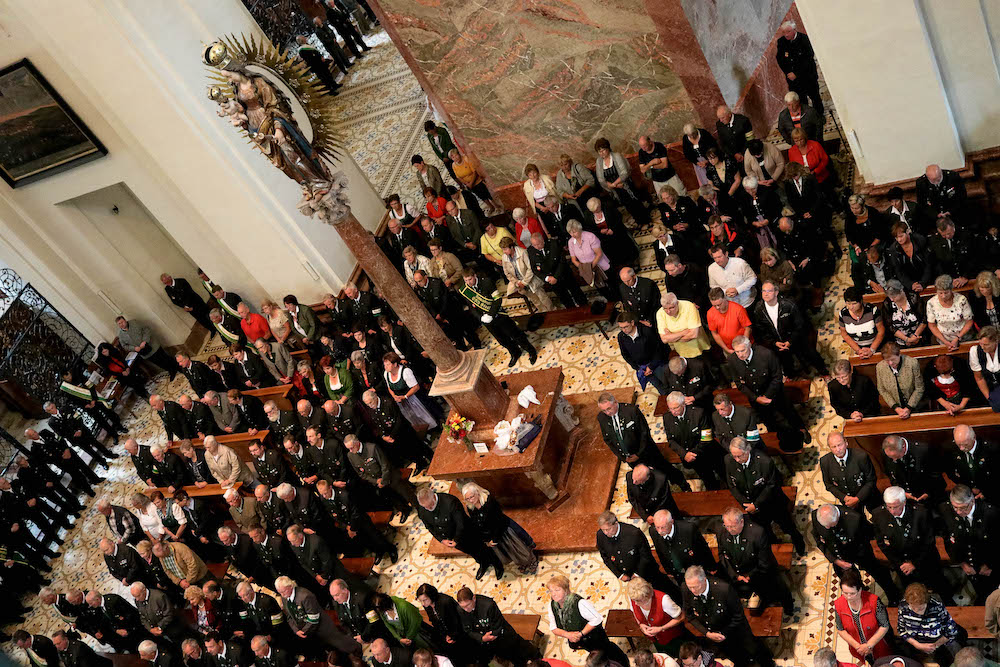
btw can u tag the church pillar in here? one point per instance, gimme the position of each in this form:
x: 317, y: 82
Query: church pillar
x: 881, y: 70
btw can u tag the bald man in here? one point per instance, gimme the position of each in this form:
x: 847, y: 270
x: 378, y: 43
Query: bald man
x: 943, y: 192
x: 975, y: 463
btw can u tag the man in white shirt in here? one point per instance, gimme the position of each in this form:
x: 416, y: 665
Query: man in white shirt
x: 733, y: 275
x: 984, y: 361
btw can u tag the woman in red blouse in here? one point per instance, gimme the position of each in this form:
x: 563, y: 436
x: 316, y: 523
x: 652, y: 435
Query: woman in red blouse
x: 525, y: 226
x: 811, y: 155
x: 435, y: 206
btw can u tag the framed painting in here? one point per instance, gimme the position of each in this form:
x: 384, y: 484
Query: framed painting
x: 39, y: 134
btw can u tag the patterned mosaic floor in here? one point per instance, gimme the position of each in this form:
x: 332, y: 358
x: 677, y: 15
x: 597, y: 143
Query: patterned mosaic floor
x: 384, y: 109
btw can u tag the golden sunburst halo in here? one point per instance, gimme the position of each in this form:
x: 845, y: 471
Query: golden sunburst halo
x: 293, y: 71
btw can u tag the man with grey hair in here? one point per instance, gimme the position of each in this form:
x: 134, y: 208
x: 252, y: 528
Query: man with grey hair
x: 905, y: 534
x: 270, y: 656
x: 757, y: 373
x: 970, y: 529
x: 240, y: 552
x: 688, y: 429
x: 913, y: 466
x: 134, y: 336
x: 970, y: 656
x: 825, y: 657
x: 445, y: 519
x: 174, y: 420
x: 242, y: 509
x: 691, y: 378
x: 755, y: 483
x: 226, y: 416
x: 373, y: 467
x: 714, y: 609
x: 844, y: 536
x: 745, y: 556
x: 226, y: 465
x: 159, y: 654
x: 796, y: 59
x: 307, y: 620
x: 626, y: 553
x: 975, y: 463
x: 796, y: 114
x: 157, y: 613
x: 626, y: 433
x: 263, y: 613
x: 942, y: 191
x: 112, y: 621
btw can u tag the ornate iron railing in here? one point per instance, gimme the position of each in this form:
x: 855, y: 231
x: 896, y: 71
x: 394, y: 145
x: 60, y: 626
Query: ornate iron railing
x: 281, y: 20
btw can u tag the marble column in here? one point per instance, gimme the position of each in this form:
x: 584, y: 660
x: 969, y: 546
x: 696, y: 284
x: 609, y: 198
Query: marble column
x: 462, y: 377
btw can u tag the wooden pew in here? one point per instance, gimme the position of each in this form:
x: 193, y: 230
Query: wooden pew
x: 210, y: 491
x: 931, y: 427
x: 280, y: 394
x: 797, y: 391
x: 621, y: 623
x: 361, y: 566
x: 239, y: 442
x: 300, y: 355
x: 567, y: 317
x: 925, y: 294
x: 525, y: 625
x: 939, y: 541
x: 924, y: 355
x: 973, y: 619
x: 713, y: 503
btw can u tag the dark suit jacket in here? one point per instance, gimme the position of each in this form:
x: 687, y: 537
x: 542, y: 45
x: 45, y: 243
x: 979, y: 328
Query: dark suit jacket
x: 253, y: 370
x: 448, y: 520
x: 201, y: 420
x: 791, y: 325
x: 949, y: 196
x: 202, y: 378
x: 628, y: 553
x: 169, y: 473
x: 751, y: 556
x: 643, y: 298
x: 304, y: 509
x: 650, y: 497
x: 175, y: 421
x: 959, y: 258
x: 733, y: 140
x: 810, y: 200
x: 985, y: 475
x: 465, y: 227
x: 762, y: 377
x: 686, y: 547
x: 857, y: 478
x: 125, y: 565
x: 550, y: 261
x: 743, y: 422
x: 974, y: 544
x: 759, y: 483
x: 182, y: 295
x: 766, y: 204
x: 917, y: 472
x: 810, y: 121
x: 45, y: 649
x: 913, y: 540
x: 722, y: 611
x: 252, y: 413
x: 78, y: 654
x: 353, y: 614
x: 635, y: 437
x: 272, y: 469
x: 694, y: 382
x: 316, y: 557
x: 692, y: 285
x: 849, y: 540
x: 860, y: 396
x: 691, y: 432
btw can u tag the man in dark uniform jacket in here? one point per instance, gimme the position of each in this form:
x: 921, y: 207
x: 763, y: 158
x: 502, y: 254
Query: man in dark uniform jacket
x: 648, y: 492
x: 734, y: 131
x: 942, y: 191
x: 112, y: 621
x: 333, y: 457
x: 303, y: 508
x: 201, y: 421
x: 758, y: 375
x: 626, y: 433
x: 167, y: 468
x: 308, y: 621
x: 970, y: 537
x: 679, y: 544
x: 269, y: 465
x: 688, y: 282
x: 124, y: 564
x: 626, y: 553
x: 160, y: 653
x: 353, y: 602
x: 199, y: 532
x: 975, y: 463
x: 195, y: 468
x: 954, y: 253
x: 157, y: 613
x: 440, y: 302
x: 282, y: 422
x: 273, y: 552
x: 481, y: 616
x: 38, y: 648
x: 914, y: 467
x: 72, y: 428
x: 253, y: 374
x: 372, y: 466
x: 174, y: 419
x: 267, y: 655
x: 446, y: 521
x: 795, y: 57
x: 548, y: 262
x: 848, y: 474
x: 745, y: 556
x: 754, y: 482
x: 356, y: 531
x: 844, y: 536
x: 310, y: 415
x: 904, y: 532
x: 272, y: 510
x: 199, y: 375
x: 305, y: 460
x: 639, y: 295
x: 238, y: 551
x: 74, y: 653
x: 228, y: 607
x: 182, y: 295
x: 384, y: 655
x: 715, y: 610
x: 689, y: 433
x: 42, y: 481
x: 484, y: 304
x: 222, y: 653
x: 691, y: 378
x: 398, y: 439
x: 261, y: 613
x: 730, y: 421
x: 396, y: 239
x: 343, y: 420
x: 250, y: 409
x: 49, y: 448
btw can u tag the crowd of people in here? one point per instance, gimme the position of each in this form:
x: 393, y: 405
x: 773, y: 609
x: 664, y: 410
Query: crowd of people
x: 743, y: 255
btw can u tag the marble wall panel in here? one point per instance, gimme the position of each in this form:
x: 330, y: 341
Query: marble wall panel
x: 526, y: 80
x: 733, y: 35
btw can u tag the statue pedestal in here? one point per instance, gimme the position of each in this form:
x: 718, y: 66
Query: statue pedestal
x: 472, y: 391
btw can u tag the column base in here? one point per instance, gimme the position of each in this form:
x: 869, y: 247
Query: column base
x: 472, y: 390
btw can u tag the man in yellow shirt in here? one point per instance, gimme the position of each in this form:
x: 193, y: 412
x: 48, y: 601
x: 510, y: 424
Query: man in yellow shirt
x: 679, y: 326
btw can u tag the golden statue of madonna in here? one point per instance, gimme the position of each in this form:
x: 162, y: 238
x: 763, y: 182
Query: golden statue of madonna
x: 245, y: 90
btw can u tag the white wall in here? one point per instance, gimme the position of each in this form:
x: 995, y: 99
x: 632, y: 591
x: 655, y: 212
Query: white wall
x: 964, y: 48
x: 884, y: 79
x: 131, y: 69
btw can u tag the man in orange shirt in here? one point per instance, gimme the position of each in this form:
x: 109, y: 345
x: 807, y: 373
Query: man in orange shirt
x: 254, y: 326
x: 726, y: 319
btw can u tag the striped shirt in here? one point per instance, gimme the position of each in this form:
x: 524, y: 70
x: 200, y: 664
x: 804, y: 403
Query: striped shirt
x: 863, y: 329
x: 928, y: 627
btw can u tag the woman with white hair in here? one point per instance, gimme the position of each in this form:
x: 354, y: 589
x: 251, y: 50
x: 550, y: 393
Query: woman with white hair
x: 510, y: 542
x: 606, y: 223
x: 149, y: 517
x: 949, y: 315
x: 695, y: 144
x: 587, y: 254
x: 524, y: 226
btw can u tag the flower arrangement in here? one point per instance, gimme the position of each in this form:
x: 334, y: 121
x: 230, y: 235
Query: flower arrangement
x: 459, y: 428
